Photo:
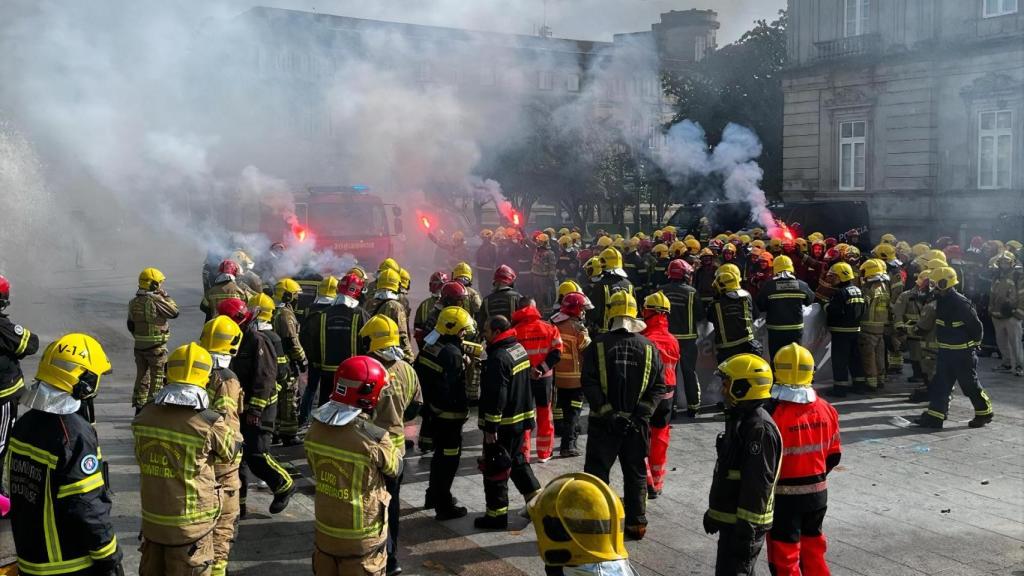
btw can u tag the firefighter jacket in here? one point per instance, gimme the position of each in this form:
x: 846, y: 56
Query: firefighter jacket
x: 473, y: 302
x: 506, y: 399
x: 812, y: 271
x: 280, y: 357
x: 732, y: 314
x: 667, y: 345
x: 656, y: 272
x: 310, y: 283
x: 925, y: 326
x: 349, y: 463
x: 396, y: 311
x: 810, y: 446
x: 906, y: 311
x: 224, y: 289
x: 876, y: 307
x: 399, y: 401
x: 251, y: 281
x: 148, y: 314
x: 599, y: 293
x: 845, y: 308
x: 60, y: 507
x: 575, y: 340
x: 957, y: 326
x: 523, y: 255
x: 227, y: 399
x: 443, y: 378
x: 687, y: 310
x: 1006, y: 297
x: 622, y: 376
x: 634, y: 265
x: 542, y: 341
x: 782, y: 299
x: 286, y: 326
x: 420, y: 322
x: 16, y: 342
x: 257, y: 368
x: 486, y: 259
x: 743, y: 486
x: 825, y: 290
x: 544, y: 264
x: 176, y: 448
x: 332, y: 336
x: 568, y: 263
x: 703, y: 281
x: 502, y: 302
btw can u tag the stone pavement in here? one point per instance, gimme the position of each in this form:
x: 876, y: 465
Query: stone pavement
x: 902, y: 501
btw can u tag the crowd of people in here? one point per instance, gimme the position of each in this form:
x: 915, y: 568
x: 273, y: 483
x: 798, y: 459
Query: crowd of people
x: 608, y: 327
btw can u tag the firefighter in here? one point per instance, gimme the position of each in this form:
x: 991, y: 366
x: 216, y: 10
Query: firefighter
x: 463, y: 274
x: 924, y: 329
x: 224, y: 287
x: 148, y: 315
x: 656, y: 312
x: 732, y: 313
x: 568, y: 258
x: 16, y: 342
x: 286, y: 326
x: 741, y: 501
x: 351, y: 459
x: 441, y: 369
x: 404, y: 285
x: 657, y: 268
x: 686, y: 313
x: 633, y: 263
x: 178, y: 441
x: 399, y: 402
x: 423, y: 311
x: 570, y: 321
x: 704, y: 276
x: 782, y: 298
x: 843, y: 313
x: 590, y: 272
x: 246, y: 277
x: 326, y: 293
x: 221, y: 337
x: 329, y: 337
x: 894, y: 339
x: 809, y: 428
x: 622, y: 379
x: 958, y: 333
x: 506, y: 417
x: 385, y: 301
x: 543, y: 344
x: 260, y: 365
x: 503, y: 300
x: 1006, y: 305
x: 544, y: 271
x: 613, y: 279
x: 763, y: 273
x: 60, y: 505
x: 486, y: 254
x: 874, y: 286
x: 906, y: 311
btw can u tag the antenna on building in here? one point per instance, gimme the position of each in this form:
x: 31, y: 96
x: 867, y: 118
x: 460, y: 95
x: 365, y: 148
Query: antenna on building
x: 545, y: 30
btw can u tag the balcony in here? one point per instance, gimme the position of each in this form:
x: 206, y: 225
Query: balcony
x: 863, y: 45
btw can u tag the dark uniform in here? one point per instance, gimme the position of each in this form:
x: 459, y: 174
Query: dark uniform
x: 568, y: 265
x: 782, y: 299
x: 16, y: 342
x: 310, y: 283
x: 329, y: 338
x: 486, y: 259
x: 623, y: 381
x: 656, y: 273
x: 958, y: 332
x: 286, y: 326
x: 843, y: 313
x: 742, y: 499
x: 443, y: 379
x: 635, y: 267
x: 732, y: 314
x: 599, y: 294
x: 687, y: 311
x: 503, y: 301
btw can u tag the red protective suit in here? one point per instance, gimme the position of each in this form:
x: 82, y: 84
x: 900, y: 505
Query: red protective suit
x: 668, y: 348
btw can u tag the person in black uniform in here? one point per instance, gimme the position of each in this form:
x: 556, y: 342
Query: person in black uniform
x: 613, y: 279
x: 503, y: 300
x: 622, y: 380
x: 843, y: 312
x: 506, y: 411
x: 741, y: 502
x: 958, y: 332
x: 442, y: 371
x: 782, y: 298
x: 486, y: 254
x: 60, y: 506
x: 635, y: 266
x: 686, y: 313
x: 16, y: 342
x: 732, y: 312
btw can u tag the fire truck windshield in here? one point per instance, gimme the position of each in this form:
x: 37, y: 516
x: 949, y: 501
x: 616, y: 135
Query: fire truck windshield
x: 348, y: 219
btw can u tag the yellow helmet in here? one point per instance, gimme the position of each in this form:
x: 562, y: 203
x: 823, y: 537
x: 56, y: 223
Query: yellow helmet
x: 727, y: 281
x: 404, y: 280
x: 550, y: 231
x: 794, y: 366
x: 328, y: 287
x: 692, y: 244
x: 1014, y: 245
x: 660, y: 251
x: 658, y: 302
x: 382, y: 332
x: 592, y: 268
x: 579, y: 520
x: 611, y: 259
x: 757, y: 232
x: 729, y: 267
x: 151, y: 279
x: 568, y: 287
x: 242, y: 259
x: 263, y: 306
x: 388, y: 279
x: 604, y: 241
x: 486, y: 233
x: 453, y: 320
x: 575, y: 236
x: 775, y: 244
x: 924, y: 275
x: 358, y: 271
x: 871, y: 268
x: 564, y: 231
x: 945, y: 278
x: 565, y: 241
x: 919, y: 249
x: 542, y: 238
x: 934, y: 264
x: 935, y: 255
x: 286, y: 290
x: 621, y: 303
x: 74, y: 364
x: 190, y: 364
x: 678, y: 248
x: 758, y: 243
x: 633, y: 243
x: 745, y: 377
x: 816, y: 237
x: 745, y: 239
x: 388, y: 264
x: 888, y: 239
x: 783, y: 264
x: 670, y: 229
x: 884, y: 251
x: 462, y: 270
x: 221, y: 336
x: 903, y: 247
x: 842, y: 271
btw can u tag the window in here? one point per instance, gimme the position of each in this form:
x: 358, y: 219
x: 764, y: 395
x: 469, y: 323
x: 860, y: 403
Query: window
x: 995, y: 149
x: 995, y: 8
x: 546, y: 80
x: 851, y: 155
x: 653, y: 135
x: 573, y: 83
x: 856, y: 17
x: 701, y: 48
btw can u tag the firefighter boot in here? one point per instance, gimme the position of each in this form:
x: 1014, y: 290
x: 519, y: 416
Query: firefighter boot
x: 487, y: 522
x: 980, y: 421
x: 928, y: 420
x: 281, y: 500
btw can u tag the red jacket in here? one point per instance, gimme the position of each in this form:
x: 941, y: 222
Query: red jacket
x: 542, y: 340
x: 811, y: 447
x: 667, y: 345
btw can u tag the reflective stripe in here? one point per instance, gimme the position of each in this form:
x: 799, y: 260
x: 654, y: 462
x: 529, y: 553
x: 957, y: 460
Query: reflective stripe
x: 785, y: 295
x: 802, y: 489
x: 794, y: 450
x: 936, y: 414
x: 524, y: 365
x: 87, y: 484
x: 104, y: 551
x: 964, y: 346
x: 648, y: 359
x: 50, y: 534
x: 497, y: 512
x: 25, y: 335
x: 753, y: 517
x: 350, y: 533
x: 432, y: 365
x: 14, y: 388
x: 169, y: 435
x: 845, y: 329
x: 576, y: 403
x: 224, y: 403
x: 602, y: 370
x: 281, y: 471
x: 337, y: 453
x: 451, y: 451
x: 30, y: 451
x: 785, y: 326
x: 60, y: 567
x: 732, y: 475
x: 723, y: 517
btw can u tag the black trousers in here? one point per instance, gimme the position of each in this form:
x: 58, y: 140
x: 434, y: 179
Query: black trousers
x: 846, y: 365
x: 394, y: 488
x: 8, y: 415
x: 687, y: 368
x: 257, y: 459
x: 496, y: 491
x: 778, y: 339
x: 732, y: 562
x: 445, y: 463
x: 604, y: 446
x: 952, y: 367
x: 570, y: 401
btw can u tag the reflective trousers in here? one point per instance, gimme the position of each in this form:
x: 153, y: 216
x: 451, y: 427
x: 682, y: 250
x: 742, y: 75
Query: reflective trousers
x: 796, y: 544
x: 225, y: 530
x: 660, y: 433
x: 287, y: 421
x: 496, y: 491
x: 570, y: 401
x: 631, y: 448
x: 872, y: 358
x: 149, y: 374
x: 257, y: 459
x: 542, y: 390
x: 1008, y: 338
x: 394, y: 487
x: 194, y: 559
x: 952, y: 367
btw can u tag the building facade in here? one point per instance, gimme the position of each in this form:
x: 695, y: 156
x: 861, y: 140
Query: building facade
x: 914, y: 106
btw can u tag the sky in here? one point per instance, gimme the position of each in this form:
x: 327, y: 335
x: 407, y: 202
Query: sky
x: 576, y: 19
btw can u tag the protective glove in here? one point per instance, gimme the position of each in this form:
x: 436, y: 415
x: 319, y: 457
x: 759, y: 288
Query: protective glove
x: 621, y: 425
x: 710, y: 524
x: 254, y: 417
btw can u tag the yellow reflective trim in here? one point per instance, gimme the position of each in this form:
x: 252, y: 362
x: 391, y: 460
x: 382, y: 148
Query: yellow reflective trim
x: 62, y: 567
x: 936, y: 414
x: 524, y: 365
x: 785, y: 326
x: 280, y: 470
x: 225, y: 402
x: 753, y: 517
x: 350, y: 533
x: 451, y: 451
x: 25, y: 336
x: 169, y: 435
x: 732, y: 475
x: 648, y: 360
x: 517, y: 418
x: 17, y: 386
x: 104, y: 551
x: 29, y: 451
x: 723, y: 517
x: 497, y: 512
x: 492, y: 418
x: 601, y: 368
x: 845, y: 329
x: 87, y: 484
x: 182, y: 519
x: 50, y: 534
x: 430, y: 364
x: 337, y: 453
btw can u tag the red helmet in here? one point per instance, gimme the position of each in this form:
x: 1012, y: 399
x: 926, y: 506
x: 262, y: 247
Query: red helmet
x: 831, y: 255
x: 953, y: 251
x: 437, y: 280
x: 504, y: 275
x: 358, y: 382
x: 667, y: 237
x: 453, y: 293
x: 830, y: 242
x: 679, y: 270
x: 573, y: 304
x: 5, y: 291
x: 976, y: 242
x: 351, y: 285
x: 228, y: 267
x: 235, y: 309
